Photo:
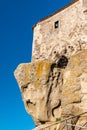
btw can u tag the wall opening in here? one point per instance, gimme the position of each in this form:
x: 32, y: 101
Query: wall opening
x: 56, y: 24
x: 63, y: 61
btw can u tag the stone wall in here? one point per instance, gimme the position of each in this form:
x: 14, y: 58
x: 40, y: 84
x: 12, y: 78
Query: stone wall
x: 84, y: 3
x: 69, y: 38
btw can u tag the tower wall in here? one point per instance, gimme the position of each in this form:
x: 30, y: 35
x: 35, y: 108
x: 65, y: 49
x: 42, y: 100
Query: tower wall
x: 67, y: 38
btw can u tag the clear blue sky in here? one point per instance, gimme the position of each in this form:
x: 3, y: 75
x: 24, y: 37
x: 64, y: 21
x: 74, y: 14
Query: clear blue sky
x: 16, y: 20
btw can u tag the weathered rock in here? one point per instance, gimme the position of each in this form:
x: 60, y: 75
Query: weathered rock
x: 50, y: 93
x: 40, y: 86
x: 74, y: 89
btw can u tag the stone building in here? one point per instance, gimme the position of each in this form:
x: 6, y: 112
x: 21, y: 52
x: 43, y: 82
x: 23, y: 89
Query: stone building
x: 62, y: 33
x: 50, y: 91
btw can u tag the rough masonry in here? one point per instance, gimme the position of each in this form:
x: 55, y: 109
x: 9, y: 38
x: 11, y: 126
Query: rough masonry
x: 69, y: 37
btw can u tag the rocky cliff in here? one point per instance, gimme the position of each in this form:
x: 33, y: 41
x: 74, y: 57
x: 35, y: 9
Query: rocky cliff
x: 54, y: 91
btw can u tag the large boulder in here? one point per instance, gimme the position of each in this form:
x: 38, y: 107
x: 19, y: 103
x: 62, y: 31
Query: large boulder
x: 51, y: 93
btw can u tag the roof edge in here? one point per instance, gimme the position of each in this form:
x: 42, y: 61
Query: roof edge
x: 66, y: 6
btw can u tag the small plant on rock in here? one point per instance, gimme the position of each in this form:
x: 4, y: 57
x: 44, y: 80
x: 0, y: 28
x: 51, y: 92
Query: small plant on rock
x: 58, y: 119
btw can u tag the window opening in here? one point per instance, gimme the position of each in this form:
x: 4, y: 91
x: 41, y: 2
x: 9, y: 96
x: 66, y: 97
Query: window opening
x: 56, y: 24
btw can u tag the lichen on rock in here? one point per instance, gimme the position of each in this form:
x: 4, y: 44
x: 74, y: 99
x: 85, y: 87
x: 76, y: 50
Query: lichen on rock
x: 50, y: 92
x: 39, y: 82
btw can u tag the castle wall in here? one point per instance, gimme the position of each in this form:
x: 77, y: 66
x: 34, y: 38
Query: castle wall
x: 69, y: 38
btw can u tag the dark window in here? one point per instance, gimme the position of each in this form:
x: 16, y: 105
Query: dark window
x: 56, y: 24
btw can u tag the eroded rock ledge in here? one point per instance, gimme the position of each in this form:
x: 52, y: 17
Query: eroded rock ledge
x: 51, y: 92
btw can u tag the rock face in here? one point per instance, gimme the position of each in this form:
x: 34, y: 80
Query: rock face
x: 39, y: 82
x: 50, y: 92
x: 74, y: 89
x: 54, y: 84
